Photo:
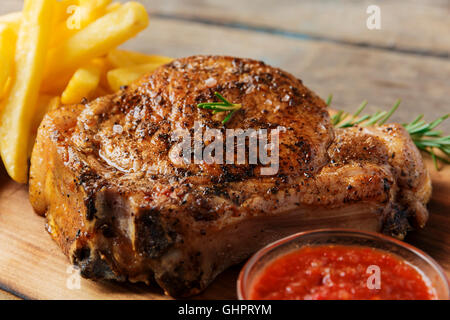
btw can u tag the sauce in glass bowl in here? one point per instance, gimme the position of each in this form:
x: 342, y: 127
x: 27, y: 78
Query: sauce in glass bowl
x: 339, y: 272
x: 338, y: 264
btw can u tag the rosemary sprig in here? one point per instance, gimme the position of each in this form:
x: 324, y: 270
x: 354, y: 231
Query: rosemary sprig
x: 422, y: 133
x: 223, y: 106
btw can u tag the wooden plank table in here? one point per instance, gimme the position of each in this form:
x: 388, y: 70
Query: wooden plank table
x: 326, y: 44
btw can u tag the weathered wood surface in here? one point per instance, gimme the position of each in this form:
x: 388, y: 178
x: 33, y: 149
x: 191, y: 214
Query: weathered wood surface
x: 417, y: 26
x: 7, y: 296
x: 321, y: 42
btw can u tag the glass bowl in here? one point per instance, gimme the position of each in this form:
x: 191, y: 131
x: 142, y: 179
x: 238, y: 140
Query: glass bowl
x: 427, y: 265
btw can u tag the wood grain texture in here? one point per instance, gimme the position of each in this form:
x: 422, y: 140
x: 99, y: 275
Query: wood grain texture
x: 435, y: 237
x: 8, y: 6
x: 421, y: 26
x: 4, y: 295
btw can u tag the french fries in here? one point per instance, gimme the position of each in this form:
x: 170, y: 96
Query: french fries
x: 61, y: 12
x: 123, y: 59
x: 118, y: 78
x: 45, y: 64
x: 54, y: 104
x: 57, y: 85
x: 83, y: 83
x: 113, y: 6
x: 91, y: 10
x: 4, y: 92
x: 12, y: 20
x: 86, y: 12
x: 97, y: 39
x: 16, y: 117
x: 7, y: 37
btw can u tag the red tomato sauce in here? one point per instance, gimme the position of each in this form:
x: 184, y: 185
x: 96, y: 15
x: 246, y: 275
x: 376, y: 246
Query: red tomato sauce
x: 340, y: 273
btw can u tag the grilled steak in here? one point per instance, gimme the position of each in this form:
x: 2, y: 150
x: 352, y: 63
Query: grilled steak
x: 121, y: 205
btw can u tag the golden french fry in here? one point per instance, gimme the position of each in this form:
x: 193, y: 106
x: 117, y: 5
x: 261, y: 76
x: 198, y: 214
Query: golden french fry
x: 91, y: 10
x: 54, y: 103
x: 100, y: 92
x: 12, y: 20
x: 113, y: 6
x: 118, y: 78
x: 5, y: 90
x: 103, y: 77
x: 63, y: 19
x: 59, y: 34
x: 7, y: 49
x: 11, y: 17
x: 62, y: 11
x: 16, y: 117
x: 83, y: 83
x: 82, y: 15
x: 56, y: 85
x: 118, y: 59
x: 97, y: 39
x: 123, y: 58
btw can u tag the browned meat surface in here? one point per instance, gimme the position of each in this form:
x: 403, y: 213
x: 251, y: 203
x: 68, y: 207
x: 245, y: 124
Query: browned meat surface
x: 121, y: 207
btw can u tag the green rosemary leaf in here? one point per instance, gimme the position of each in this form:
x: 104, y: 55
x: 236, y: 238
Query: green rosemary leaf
x: 361, y: 108
x: 330, y: 98
x: 437, y: 122
x: 228, y: 117
x: 223, y: 106
x: 407, y: 126
x: 362, y: 119
x: 375, y: 118
x: 390, y: 113
x: 442, y: 159
x: 218, y: 95
x: 432, y: 133
x: 349, y: 123
x: 337, y: 117
x: 425, y: 144
x: 421, y: 132
x: 419, y: 124
x: 433, y: 156
x: 446, y: 150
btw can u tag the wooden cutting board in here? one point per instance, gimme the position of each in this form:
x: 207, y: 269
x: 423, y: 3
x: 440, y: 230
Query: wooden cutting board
x: 33, y: 267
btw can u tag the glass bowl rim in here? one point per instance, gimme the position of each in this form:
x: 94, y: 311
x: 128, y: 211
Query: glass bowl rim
x: 243, y: 274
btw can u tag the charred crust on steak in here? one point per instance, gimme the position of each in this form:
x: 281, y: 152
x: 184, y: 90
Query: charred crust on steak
x: 177, y: 287
x: 90, y: 207
x: 396, y: 222
x: 80, y: 255
x: 107, y: 230
x: 94, y: 265
x: 151, y: 239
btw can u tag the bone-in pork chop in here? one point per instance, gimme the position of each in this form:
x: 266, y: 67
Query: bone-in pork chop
x: 122, y: 206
